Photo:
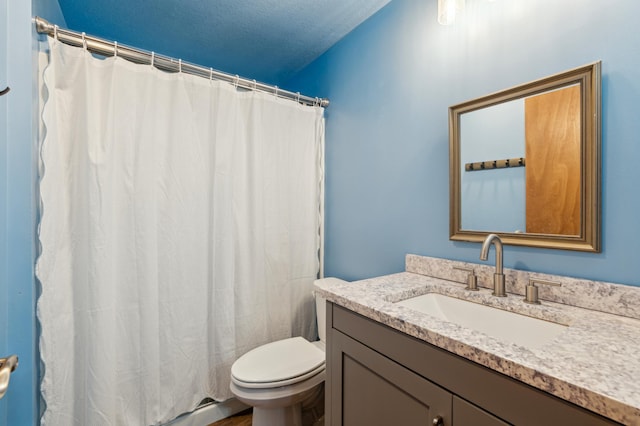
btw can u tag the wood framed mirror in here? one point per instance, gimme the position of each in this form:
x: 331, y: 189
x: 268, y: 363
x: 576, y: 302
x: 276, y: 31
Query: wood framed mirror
x: 525, y: 163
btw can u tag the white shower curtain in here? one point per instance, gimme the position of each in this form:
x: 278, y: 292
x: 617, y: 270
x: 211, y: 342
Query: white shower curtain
x: 179, y: 229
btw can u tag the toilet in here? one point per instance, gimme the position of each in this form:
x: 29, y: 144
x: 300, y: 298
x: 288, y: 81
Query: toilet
x: 283, y: 379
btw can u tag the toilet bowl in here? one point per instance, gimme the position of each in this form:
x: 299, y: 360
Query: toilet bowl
x: 282, y: 379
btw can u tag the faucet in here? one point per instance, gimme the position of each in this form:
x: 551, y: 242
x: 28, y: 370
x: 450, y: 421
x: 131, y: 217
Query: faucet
x: 498, y: 276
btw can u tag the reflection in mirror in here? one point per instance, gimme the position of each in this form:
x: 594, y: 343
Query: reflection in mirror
x: 525, y: 163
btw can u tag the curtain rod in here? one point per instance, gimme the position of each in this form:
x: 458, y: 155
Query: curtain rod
x: 165, y: 63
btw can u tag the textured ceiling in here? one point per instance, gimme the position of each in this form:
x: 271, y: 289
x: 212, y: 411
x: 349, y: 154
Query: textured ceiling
x: 269, y: 40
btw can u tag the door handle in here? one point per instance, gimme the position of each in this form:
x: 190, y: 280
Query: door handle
x: 7, y: 366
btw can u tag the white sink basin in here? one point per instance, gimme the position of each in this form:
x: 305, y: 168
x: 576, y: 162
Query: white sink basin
x: 503, y: 325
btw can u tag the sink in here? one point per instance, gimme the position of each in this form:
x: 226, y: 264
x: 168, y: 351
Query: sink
x: 502, y: 325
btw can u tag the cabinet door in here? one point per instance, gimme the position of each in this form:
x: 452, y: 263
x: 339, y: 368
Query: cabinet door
x: 367, y: 388
x: 466, y: 414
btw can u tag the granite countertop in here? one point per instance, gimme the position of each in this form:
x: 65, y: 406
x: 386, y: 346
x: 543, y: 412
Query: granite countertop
x: 594, y: 363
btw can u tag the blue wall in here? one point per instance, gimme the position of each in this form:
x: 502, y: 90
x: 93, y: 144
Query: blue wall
x: 390, y: 83
x: 18, y: 220
x: 18, y: 201
x: 3, y: 196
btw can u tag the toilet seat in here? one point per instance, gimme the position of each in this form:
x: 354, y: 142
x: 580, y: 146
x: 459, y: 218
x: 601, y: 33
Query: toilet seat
x: 280, y: 363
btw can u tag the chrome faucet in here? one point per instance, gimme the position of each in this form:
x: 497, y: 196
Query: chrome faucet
x: 498, y: 276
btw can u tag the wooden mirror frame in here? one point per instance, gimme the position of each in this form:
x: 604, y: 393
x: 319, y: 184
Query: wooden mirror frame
x: 589, y: 238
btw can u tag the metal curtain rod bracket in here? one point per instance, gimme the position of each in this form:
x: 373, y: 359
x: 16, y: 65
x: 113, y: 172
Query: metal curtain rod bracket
x: 495, y: 164
x: 165, y: 63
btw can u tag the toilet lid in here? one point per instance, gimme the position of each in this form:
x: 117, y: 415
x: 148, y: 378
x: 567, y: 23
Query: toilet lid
x: 278, y: 361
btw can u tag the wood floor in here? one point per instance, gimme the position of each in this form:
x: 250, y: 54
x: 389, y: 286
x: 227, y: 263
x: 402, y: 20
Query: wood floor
x: 244, y: 419
x: 240, y: 419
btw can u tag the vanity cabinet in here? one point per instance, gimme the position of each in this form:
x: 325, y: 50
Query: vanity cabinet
x: 379, y: 376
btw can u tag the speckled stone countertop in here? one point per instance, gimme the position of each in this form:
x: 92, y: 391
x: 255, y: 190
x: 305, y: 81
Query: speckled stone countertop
x: 594, y: 363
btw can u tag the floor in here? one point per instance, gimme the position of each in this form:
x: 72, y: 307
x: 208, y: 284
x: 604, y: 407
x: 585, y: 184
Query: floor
x: 244, y: 419
x: 240, y: 419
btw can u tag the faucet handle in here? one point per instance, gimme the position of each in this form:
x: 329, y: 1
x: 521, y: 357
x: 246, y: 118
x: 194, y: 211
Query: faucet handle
x: 531, y: 290
x: 472, y: 279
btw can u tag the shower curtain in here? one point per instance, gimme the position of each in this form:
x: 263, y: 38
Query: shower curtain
x: 179, y: 229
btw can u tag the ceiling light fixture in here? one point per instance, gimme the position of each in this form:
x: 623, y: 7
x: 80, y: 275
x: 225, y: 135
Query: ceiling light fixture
x: 448, y: 9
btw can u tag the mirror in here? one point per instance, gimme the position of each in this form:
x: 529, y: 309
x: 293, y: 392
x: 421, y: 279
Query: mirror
x: 525, y: 163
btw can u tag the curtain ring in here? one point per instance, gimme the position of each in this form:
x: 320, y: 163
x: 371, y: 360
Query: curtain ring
x: 236, y: 81
x: 115, y: 49
x: 55, y: 32
x: 317, y: 102
x: 210, y: 74
x: 153, y: 59
x: 275, y: 92
x: 298, y: 97
x: 84, y: 41
x: 180, y: 66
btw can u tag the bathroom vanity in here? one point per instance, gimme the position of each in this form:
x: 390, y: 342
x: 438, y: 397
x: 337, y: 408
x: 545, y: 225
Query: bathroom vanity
x: 381, y: 376
x: 391, y: 364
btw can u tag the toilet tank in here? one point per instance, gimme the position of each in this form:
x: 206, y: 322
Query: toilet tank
x: 321, y: 308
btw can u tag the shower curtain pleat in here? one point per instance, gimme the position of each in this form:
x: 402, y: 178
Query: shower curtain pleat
x: 179, y: 229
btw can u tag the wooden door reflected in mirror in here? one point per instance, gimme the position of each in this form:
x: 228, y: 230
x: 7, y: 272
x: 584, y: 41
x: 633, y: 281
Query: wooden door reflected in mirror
x: 552, y: 149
